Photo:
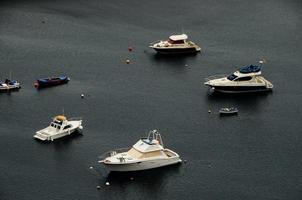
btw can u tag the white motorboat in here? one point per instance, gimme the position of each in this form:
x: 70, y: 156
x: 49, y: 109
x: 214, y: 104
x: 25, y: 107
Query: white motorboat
x: 9, y: 85
x: 147, y: 153
x: 246, y: 79
x: 175, y: 44
x: 58, y: 128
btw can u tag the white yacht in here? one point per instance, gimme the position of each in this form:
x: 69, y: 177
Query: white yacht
x: 175, y: 44
x: 147, y: 153
x: 9, y: 85
x: 246, y: 79
x: 58, y: 128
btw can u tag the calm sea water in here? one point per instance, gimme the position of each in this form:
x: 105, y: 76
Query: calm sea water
x: 255, y: 155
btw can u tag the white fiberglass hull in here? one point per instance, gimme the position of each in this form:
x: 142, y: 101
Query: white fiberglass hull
x: 10, y: 87
x: 143, y: 165
x: 53, y: 137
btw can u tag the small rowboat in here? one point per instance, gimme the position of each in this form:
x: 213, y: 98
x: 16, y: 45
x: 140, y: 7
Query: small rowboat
x: 53, y: 81
x: 228, y: 111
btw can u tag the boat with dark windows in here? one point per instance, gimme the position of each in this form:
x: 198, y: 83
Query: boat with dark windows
x: 246, y: 79
x: 59, y: 127
x: 9, y: 85
x: 176, y: 44
x: 147, y: 153
x: 49, y: 82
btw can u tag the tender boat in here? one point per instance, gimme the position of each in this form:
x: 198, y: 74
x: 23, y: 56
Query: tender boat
x: 9, y: 85
x: 147, y: 153
x: 53, y: 81
x: 228, y: 111
x: 246, y: 79
x: 58, y: 128
x: 175, y: 44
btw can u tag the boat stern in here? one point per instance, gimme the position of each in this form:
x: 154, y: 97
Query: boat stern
x: 41, y: 136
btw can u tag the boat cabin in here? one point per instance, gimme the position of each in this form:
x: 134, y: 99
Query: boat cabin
x: 148, y: 147
x: 245, y: 73
x: 233, y: 77
x: 60, y: 122
x: 178, y: 39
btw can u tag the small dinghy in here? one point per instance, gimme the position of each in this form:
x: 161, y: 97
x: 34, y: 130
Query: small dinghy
x: 49, y: 82
x: 228, y: 111
x: 9, y: 85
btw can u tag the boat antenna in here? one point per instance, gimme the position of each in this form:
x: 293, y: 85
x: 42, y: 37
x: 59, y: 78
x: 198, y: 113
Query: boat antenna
x: 63, y: 112
x: 10, y: 74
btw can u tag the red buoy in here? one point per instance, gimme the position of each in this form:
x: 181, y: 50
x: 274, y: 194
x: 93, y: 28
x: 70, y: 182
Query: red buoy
x: 130, y: 48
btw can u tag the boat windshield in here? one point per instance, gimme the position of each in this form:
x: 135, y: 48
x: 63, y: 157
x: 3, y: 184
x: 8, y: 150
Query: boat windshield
x: 176, y: 41
x: 231, y: 77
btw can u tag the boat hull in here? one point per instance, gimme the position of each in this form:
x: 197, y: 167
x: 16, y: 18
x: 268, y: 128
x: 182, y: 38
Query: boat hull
x: 144, y: 165
x: 42, y: 83
x: 8, y: 89
x: 176, y: 50
x: 228, y: 113
x: 44, y: 137
x: 240, y: 89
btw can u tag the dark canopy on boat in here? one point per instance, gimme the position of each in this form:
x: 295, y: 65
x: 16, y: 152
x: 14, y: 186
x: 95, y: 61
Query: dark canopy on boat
x: 250, y: 69
x: 52, y: 79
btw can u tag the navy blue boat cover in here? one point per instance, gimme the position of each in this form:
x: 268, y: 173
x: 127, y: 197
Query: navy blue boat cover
x: 250, y: 69
x: 48, y: 80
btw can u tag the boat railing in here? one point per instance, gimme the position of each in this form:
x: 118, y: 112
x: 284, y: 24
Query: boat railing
x: 268, y: 84
x: 157, y: 41
x: 113, y: 153
x: 215, y: 77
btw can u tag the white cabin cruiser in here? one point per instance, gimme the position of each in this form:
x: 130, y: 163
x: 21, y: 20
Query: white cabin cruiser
x: 58, y: 128
x: 147, y: 153
x: 175, y: 44
x: 246, y: 79
x: 9, y: 85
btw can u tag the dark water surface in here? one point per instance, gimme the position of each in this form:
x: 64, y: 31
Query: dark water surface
x: 256, y: 155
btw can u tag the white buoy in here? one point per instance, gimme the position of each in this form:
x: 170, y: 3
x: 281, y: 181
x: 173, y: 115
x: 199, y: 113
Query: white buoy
x: 127, y: 61
x: 90, y: 167
x: 98, y: 187
x: 209, y: 111
x: 131, y: 178
x: 186, y: 65
x: 107, y: 183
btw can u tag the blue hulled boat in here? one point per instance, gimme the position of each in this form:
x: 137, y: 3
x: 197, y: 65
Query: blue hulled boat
x: 49, y: 82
